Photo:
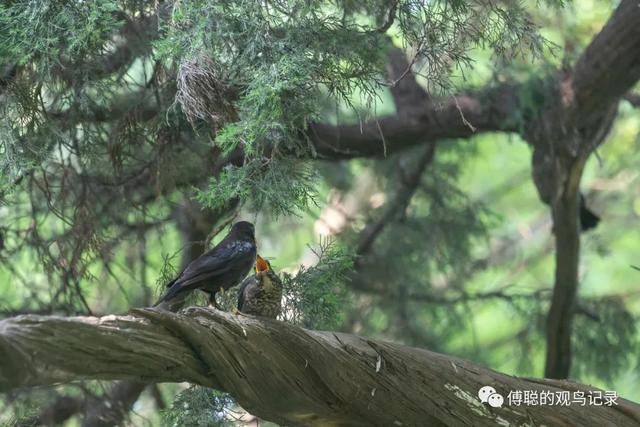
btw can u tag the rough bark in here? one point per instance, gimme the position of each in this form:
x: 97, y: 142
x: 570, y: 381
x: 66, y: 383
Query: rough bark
x: 281, y: 372
x: 195, y: 224
x: 566, y: 225
x: 610, y: 65
x: 579, y: 116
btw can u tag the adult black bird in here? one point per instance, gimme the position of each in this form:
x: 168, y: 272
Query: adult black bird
x: 261, y: 294
x: 222, y: 267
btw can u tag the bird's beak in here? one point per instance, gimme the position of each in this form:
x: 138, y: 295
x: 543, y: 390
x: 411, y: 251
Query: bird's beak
x: 261, y: 264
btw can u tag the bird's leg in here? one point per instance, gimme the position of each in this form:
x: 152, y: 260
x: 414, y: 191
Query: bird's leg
x: 212, y: 301
x: 238, y: 312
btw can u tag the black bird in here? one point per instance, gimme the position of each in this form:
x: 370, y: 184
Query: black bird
x: 220, y: 268
x: 588, y: 219
x: 261, y: 294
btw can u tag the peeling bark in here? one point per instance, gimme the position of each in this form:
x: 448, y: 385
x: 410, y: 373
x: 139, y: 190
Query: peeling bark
x: 280, y: 372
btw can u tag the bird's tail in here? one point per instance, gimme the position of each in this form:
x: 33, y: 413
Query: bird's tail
x: 172, y: 291
x: 588, y: 219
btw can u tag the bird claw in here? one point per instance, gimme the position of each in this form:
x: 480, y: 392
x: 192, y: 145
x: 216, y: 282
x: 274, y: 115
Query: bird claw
x: 213, y: 303
x: 239, y: 313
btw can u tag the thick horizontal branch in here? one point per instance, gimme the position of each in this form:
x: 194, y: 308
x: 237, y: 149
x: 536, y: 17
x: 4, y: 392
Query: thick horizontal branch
x: 451, y: 117
x: 281, y: 372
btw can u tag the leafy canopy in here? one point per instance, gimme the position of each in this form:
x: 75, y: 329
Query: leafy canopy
x: 247, y: 76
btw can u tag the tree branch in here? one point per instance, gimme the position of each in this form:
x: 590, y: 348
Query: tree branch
x: 571, y: 128
x: 195, y: 223
x: 280, y: 372
x: 134, y: 40
x: 405, y: 192
x: 405, y: 89
x: 566, y: 226
x: 458, y: 116
x: 610, y: 65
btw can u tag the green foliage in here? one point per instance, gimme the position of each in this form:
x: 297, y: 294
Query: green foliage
x: 608, y: 326
x: 22, y: 410
x: 315, y: 297
x: 13, y: 165
x: 20, y: 419
x: 534, y: 96
x: 280, y: 186
x: 198, y: 407
x: 166, y: 273
x: 439, y: 228
x: 108, y: 127
x: 249, y: 75
x: 284, y: 56
x: 42, y: 31
x: 281, y: 60
x: 444, y: 33
x: 428, y: 249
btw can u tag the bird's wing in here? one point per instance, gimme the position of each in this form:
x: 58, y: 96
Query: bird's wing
x: 217, y: 262
x: 213, y: 264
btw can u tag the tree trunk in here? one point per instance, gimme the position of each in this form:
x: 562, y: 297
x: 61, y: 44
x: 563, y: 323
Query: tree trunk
x: 566, y: 228
x: 281, y: 372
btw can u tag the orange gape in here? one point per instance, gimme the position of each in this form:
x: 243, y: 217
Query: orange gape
x: 261, y: 264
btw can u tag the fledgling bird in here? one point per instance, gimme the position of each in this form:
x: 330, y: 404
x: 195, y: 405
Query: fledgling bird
x: 261, y: 294
x: 221, y: 268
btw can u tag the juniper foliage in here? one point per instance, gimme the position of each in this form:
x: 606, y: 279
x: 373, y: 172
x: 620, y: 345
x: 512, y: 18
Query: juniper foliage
x: 199, y: 407
x: 240, y: 75
x: 115, y: 111
x: 315, y: 297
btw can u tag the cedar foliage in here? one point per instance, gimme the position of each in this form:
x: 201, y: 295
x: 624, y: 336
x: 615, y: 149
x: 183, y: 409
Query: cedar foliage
x: 115, y: 113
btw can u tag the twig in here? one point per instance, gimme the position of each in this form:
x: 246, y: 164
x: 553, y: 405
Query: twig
x: 408, y: 187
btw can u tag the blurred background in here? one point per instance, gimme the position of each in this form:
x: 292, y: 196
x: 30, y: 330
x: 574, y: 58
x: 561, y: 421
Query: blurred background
x: 450, y: 249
